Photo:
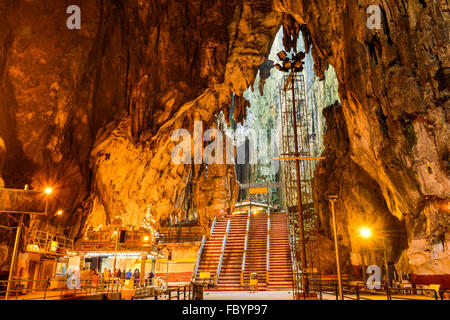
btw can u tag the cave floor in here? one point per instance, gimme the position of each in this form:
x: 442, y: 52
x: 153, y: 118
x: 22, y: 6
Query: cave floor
x: 247, y: 295
x: 243, y: 295
x: 287, y: 295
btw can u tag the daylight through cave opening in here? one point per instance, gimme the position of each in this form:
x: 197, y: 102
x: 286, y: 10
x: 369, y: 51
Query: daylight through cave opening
x: 96, y: 114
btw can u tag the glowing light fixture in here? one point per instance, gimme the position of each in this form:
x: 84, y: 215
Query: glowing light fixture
x: 48, y: 190
x: 287, y: 65
x: 365, y: 232
x: 146, y: 238
x: 60, y: 212
x: 282, y: 54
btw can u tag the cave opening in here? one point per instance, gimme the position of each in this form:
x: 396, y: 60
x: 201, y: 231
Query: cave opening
x: 93, y: 111
x: 261, y: 133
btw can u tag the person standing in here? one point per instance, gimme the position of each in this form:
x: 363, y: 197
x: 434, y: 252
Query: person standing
x: 94, y: 278
x: 392, y: 273
x: 106, y: 275
x: 136, y: 276
x: 151, y: 276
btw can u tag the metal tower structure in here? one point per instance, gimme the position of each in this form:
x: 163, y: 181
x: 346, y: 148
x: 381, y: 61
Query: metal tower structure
x: 298, y: 151
x: 305, y: 144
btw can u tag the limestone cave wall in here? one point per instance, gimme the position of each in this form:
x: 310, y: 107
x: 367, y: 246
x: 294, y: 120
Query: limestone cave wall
x: 91, y: 111
x: 393, y: 86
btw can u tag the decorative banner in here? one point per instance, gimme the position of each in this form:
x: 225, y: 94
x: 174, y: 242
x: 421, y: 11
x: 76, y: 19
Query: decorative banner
x: 73, y: 273
x: 258, y: 190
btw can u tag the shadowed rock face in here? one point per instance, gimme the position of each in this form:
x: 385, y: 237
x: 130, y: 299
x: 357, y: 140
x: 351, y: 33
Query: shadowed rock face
x: 137, y: 70
x: 92, y: 110
x: 360, y: 200
x: 393, y: 86
x: 2, y: 160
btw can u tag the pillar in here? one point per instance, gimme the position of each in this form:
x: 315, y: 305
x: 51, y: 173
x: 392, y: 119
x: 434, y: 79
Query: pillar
x: 143, y: 261
x: 82, y: 256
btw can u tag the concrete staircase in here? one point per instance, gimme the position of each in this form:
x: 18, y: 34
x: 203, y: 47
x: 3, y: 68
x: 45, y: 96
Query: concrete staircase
x: 280, y: 273
x: 230, y: 274
x: 257, y: 250
x: 212, y: 250
x: 279, y: 276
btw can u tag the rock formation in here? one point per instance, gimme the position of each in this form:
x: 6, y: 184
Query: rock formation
x: 2, y: 160
x: 360, y: 199
x: 91, y: 111
x: 393, y: 86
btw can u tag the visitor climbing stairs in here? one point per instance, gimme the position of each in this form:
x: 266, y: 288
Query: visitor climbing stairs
x: 241, y: 244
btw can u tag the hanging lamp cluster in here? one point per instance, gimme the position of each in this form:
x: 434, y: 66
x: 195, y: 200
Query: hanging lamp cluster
x: 290, y: 64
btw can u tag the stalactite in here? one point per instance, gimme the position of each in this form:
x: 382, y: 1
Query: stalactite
x: 306, y: 37
x: 291, y: 31
x: 264, y: 73
x: 138, y: 107
x: 240, y: 106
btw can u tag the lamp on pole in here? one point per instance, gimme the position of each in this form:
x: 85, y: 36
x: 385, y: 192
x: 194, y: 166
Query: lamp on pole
x: 365, y: 234
x: 117, y: 233
x: 47, y: 192
x: 13, y: 259
x: 385, y: 257
x: 332, y: 199
x: 293, y: 65
x: 57, y: 213
x: 169, y: 257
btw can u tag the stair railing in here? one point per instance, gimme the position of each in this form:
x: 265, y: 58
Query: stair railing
x: 199, y: 256
x: 213, y: 225
x: 244, y: 255
x: 292, y: 245
x: 224, y: 243
x: 268, y: 247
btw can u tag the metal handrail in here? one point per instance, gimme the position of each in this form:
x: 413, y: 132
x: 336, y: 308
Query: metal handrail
x: 42, y: 289
x: 44, y: 238
x: 268, y: 248
x: 167, y: 294
x: 212, y: 226
x: 359, y: 289
x: 293, y: 259
x: 224, y: 243
x: 199, y: 256
x: 179, y: 238
x: 25, y: 289
x: 244, y: 255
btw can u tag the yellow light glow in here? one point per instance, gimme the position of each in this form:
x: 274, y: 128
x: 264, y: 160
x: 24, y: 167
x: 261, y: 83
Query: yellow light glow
x: 48, y: 190
x: 59, y: 212
x: 146, y: 238
x: 365, y: 232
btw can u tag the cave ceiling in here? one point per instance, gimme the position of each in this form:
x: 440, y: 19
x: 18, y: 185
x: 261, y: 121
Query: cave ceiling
x: 92, y: 110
